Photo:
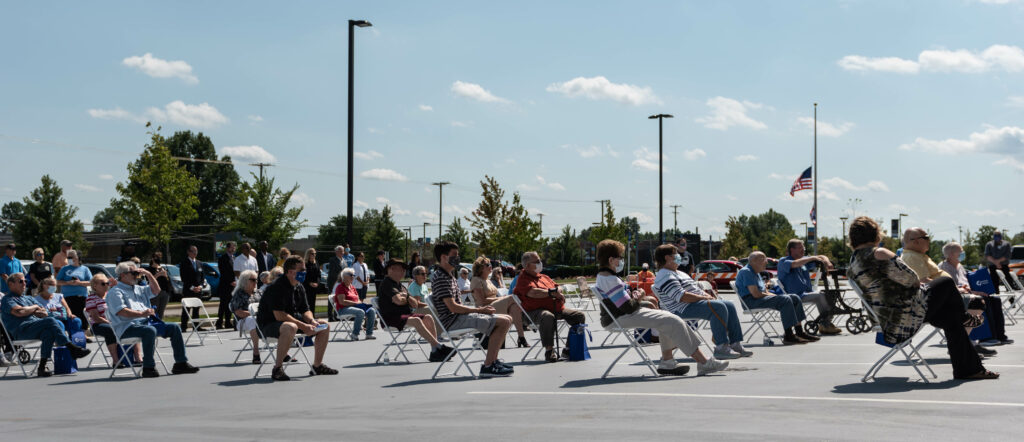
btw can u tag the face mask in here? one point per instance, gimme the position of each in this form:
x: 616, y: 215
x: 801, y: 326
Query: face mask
x: 678, y: 259
x: 997, y: 238
x: 962, y: 257
x: 620, y: 266
x: 51, y: 289
x: 300, y: 276
x: 348, y: 250
x: 453, y: 261
x: 538, y: 267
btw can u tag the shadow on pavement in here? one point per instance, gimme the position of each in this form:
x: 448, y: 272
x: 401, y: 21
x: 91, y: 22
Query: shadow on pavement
x: 432, y: 381
x: 584, y: 383
x: 249, y: 381
x: 894, y: 385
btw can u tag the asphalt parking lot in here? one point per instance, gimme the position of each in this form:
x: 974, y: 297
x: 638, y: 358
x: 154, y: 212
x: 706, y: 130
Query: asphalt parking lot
x: 806, y: 392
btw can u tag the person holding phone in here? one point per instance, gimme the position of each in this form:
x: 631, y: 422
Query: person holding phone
x: 544, y: 302
x: 73, y: 279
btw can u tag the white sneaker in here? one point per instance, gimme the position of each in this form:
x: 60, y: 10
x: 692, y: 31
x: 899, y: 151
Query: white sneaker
x: 723, y: 351
x: 711, y: 366
x: 738, y: 348
x: 672, y: 368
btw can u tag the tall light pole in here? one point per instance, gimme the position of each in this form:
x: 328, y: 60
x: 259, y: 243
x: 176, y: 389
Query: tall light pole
x: 899, y: 224
x: 423, y: 248
x: 440, y: 202
x: 844, y: 218
x: 408, y: 239
x: 805, y: 230
x: 661, y: 190
x: 352, y: 24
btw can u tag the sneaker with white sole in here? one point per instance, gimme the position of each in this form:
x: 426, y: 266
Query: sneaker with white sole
x: 723, y: 351
x: 670, y: 367
x: 738, y: 348
x: 711, y: 366
x: 492, y: 370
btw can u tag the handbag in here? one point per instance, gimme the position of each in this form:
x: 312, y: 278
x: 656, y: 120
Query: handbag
x: 63, y: 363
x: 981, y: 281
x: 577, y: 342
x: 159, y: 325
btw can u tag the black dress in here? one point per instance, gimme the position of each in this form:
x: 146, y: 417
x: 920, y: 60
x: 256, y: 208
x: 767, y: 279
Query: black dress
x: 312, y: 276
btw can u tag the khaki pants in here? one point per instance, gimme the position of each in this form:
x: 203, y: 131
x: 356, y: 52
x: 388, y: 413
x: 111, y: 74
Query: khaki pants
x: 672, y: 330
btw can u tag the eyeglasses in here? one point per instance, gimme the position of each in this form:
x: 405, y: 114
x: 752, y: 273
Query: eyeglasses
x: 39, y: 254
x: 925, y: 237
x: 487, y: 265
x: 16, y: 281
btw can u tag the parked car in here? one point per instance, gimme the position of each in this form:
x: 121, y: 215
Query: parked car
x: 1017, y: 256
x: 719, y: 266
x: 772, y: 267
x: 507, y: 268
x: 176, y: 285
x: 212, y: 276
x: 105, y: 269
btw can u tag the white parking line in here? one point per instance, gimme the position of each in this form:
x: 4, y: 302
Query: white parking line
x: 740, y: 396
x: 756, y: 362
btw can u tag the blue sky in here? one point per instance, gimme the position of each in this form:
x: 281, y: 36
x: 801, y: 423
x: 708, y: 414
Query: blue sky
x: 920, y: 104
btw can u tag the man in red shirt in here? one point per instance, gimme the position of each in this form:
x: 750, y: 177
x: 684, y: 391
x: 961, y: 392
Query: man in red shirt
x: 544, y: 302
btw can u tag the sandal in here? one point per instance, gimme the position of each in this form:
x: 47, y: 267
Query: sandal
x: 984, y: 374
x: 973, y: 321
x: 321, y: 370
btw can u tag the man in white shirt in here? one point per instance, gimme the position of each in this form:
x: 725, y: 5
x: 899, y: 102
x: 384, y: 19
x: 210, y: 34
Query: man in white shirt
x: 245, y: 261
x: 361, y: 280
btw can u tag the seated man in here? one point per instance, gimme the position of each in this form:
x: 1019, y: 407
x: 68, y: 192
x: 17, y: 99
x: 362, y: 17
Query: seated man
x: 916, y: 243
x: 750, y: 287
x: 27, y: 319
x: 455, y: 316
x: 954, y: 254
x: 396, y: 309
x: 796, y: 280
x: 131, y: 309
x: 284, y: 311
x: 681, y: 295
x: 96, y: 309
x: 544, y: 303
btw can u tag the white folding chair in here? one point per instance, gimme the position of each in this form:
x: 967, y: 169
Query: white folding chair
x: 101, y: 345
x: 614, y: 336
x: 586, y: 303
x: 409, y: 333
x: 532, y: 326
x: 810, y: 307
x: 344, y: 321
x: 128, y: 345
x: 464, y: 335
x: 572, y: 294
x: 1016, y: 295
x: 899, y: 347
x: 248, y: 339
x: 270, y: 345
x: 759, y: 318
x: 617, y: 329
x: 203, y: 319
x: 21, y: 349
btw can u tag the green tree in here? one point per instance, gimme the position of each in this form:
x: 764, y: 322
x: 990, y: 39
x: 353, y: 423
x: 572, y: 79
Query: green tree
x: 763, y: 231
x: 262, y: 212
x: 565, y: 249
x: 519, y: 233
x: 503, y: 229
x: 608, y: 229
x: 47, y: 218
x: 458, y: 234
x: 11, y: 213
x: 735, y: 242
x: 105, y: 221
x: 333, y: 233
x: 158, y: 197
x: 982, y: 237
x: 383, y: 235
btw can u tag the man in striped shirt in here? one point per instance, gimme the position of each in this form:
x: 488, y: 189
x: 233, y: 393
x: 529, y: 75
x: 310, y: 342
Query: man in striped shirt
x: 455, y: 316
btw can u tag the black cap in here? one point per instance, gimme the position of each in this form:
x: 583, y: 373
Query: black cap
x: 395, y: 261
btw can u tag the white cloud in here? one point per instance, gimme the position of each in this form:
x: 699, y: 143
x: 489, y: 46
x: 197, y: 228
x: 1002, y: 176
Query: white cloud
x: 777, y: 176
x: 88, y: 188
x: 160, y: 68
x: 116, y: 114
x: 429, y: 216
x: 383, y: 175
x: 694, y: 154
x: 253, y: 119
x: 527, y: 187
x: 991, y: 213
x: 1015, y: 101
x: 373, y: 130
x: 550, y: 185
x: 996, y: 2
x: 877, y: 186
x: 731, y: 197
x: 455, y: 209
x: 641, y: 163
x: 881, y: 64
x: 1004, y: 57
x: 808, y: 195
x: 426, y: 108
x: 592, y: 151
x: 1007, y: 140
x: 361, y: 204
x: 255, y: 154
x: 302, y: 199
x: 727, y: 112
x: 1010, y: 161
x: 826, y: 129
x: 383, y: 201
x: 198, y: 115
x: 401, y: 212
x: 747, y: 157
x: 599, y: 88
x: 839, y: 183
x: 106, y: 176
x: 476, y: 92
x: 641, y: 217
x: 646, y: 159
x: 461, y: 124
x: 368, y: 155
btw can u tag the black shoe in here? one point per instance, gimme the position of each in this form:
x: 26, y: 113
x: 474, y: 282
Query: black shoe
x: 550, y: 355
x: 503, y: 364
x: 442, y: 354
x: 218, y: 326
x: 806, y: 336
x: 76, y: 351
x: 288, y: 359
x: 680, y: 370
x: 184, y: 368
x: 565, y: 353
x: 322, y: 369
x: 487, y: 371
x: 150, y: 372
x: 256, y: 360
x: 43, y: 372
x: 89, y: 341
x: 279, y: 375
x: 985, y: 351
x: 521, y: 343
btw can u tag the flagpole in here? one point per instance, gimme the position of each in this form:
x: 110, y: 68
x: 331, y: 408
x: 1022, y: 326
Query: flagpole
x: 815, y: 220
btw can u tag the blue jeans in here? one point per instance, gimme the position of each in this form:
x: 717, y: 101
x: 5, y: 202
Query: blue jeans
x: 789, y: 306
x: 363, y: 319
x: 362, y: 292
x: 49, y: 330
x: 148, y: 335
x: 728, y: 333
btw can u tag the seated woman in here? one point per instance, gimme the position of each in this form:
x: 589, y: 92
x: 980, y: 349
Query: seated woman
x: 346, y: 302
x: 903, y: 305
x: 626, y: 309
x: 417, y: 289
x: 243, y: 295
x: 46, y: 294
x: 485, y: 293
x: 96, y: 309
x: 683, y: 296
x: 993, y: 307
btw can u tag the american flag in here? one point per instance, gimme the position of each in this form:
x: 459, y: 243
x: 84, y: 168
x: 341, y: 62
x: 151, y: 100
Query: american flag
x: 802, y: 183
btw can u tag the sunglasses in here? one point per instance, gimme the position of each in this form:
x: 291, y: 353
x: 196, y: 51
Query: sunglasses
x: 925, y: 237
x: 16, y: 281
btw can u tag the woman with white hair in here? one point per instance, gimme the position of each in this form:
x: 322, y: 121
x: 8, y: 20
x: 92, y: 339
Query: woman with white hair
x: 241, y: 297
x: 954, y: 255
x: 346, y: 302
x: 465, y: 291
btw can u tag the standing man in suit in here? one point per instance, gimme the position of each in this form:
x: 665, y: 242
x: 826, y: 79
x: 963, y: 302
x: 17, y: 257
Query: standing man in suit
x: 191, y: 281
x: 379, y: 271
x: 226, y: 267
x: 335, y: 265
x: 264, y: 260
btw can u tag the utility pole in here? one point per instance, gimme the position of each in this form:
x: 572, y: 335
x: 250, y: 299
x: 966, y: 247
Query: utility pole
x: 661, y: 190
x: 423, y: 248
x: 540, y: 223
x: 408, y: 239
x: 844, y: 218
x: 602, y: 208
x: 440, y: 201
x: 814, y: 210
x: 675, y: 216
x: 261, y: 166
x: 960, y: 229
